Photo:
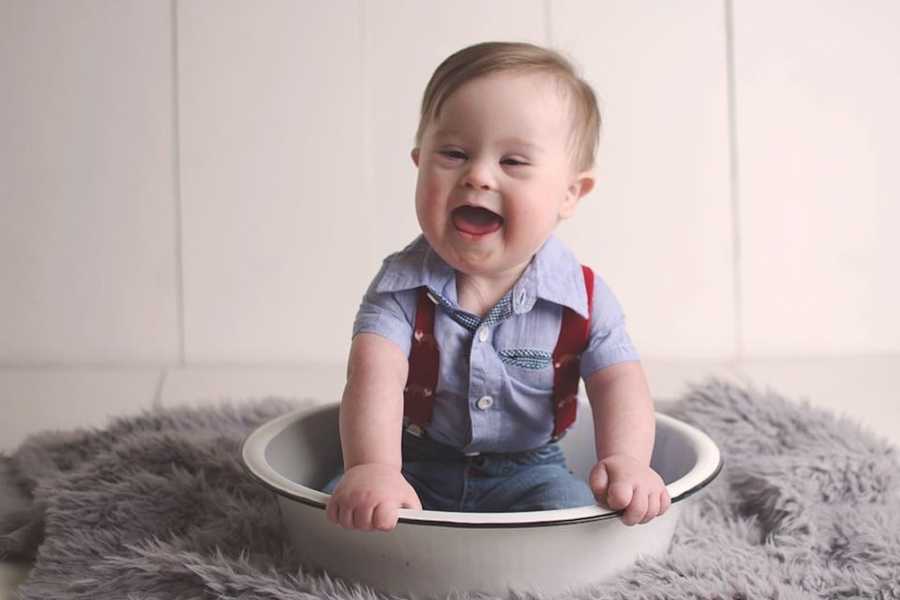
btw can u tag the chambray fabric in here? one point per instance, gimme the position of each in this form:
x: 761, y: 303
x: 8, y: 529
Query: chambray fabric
x: 494, y: 395
x: 446, y: 479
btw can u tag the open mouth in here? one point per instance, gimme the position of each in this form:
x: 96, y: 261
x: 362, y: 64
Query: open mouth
x: 475, y: 220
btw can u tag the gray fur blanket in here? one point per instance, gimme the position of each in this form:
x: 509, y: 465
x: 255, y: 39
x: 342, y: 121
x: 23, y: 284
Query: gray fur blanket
x: 157, y: 506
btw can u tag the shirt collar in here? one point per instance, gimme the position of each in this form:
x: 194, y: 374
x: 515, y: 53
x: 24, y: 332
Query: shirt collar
x: 415, y: 266
x: 554, y: 275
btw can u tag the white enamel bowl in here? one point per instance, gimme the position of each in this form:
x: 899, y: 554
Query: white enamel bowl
x: 437, y: 552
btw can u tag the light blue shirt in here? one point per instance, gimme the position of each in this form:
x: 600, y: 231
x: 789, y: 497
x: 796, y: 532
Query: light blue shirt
x: 496, y: 378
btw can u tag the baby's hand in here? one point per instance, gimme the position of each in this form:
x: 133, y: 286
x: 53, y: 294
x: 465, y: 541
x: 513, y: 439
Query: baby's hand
x: 621, y: 481
x: 368, y: 496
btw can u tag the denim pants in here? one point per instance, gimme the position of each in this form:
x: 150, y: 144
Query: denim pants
x: 446, y: 479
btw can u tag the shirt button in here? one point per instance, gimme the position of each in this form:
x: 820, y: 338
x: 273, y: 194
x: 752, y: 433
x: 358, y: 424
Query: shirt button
x: 483, y: 333
x: 485, y: 402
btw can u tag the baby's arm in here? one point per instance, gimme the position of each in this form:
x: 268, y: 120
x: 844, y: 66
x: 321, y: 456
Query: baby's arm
x: 625, y: 425
x: 371, y: 418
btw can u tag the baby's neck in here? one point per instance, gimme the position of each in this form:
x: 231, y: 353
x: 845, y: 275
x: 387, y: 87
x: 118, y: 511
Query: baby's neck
x: 478, y: 294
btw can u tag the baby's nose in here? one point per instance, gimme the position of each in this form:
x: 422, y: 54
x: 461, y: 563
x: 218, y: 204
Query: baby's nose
x: 478, y: 177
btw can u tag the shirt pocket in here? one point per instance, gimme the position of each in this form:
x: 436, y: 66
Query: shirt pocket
x: 529, y: 368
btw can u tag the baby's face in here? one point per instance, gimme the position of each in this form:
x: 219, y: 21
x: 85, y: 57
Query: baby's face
x: 496, y: 173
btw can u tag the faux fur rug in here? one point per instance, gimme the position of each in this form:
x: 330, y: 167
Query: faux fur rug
x: 158, y: 507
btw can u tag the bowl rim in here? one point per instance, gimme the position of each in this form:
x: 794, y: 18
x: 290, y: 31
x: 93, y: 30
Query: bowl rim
x: 708, y: 466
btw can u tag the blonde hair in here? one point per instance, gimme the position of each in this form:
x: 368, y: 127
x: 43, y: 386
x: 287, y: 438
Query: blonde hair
x: 495, y: 57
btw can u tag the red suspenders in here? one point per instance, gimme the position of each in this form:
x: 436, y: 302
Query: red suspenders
x: 424, y: 360
x: 573, y: 339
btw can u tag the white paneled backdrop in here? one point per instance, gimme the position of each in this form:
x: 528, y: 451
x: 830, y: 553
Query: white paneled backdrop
x: 216, y: 182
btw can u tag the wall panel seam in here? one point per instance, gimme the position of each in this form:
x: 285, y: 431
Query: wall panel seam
x: 176, y: 150
x: 365, y: 105
x: 734, y: 182
x: 160, y: 386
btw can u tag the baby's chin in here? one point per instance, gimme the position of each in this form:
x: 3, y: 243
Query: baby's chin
x: 485, y: 262
x: 491, y: 257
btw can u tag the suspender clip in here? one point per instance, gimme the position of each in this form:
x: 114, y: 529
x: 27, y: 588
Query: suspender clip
x: 415, y: 430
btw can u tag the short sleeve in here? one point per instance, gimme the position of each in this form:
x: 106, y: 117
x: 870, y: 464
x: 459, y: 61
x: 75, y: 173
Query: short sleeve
x: 388, y: 314
x: 608, y: 342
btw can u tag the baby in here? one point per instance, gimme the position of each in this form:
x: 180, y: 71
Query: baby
x: 468, y: 345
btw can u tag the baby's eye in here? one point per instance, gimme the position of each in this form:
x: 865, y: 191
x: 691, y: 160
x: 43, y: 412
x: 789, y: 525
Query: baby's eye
x: 513, y: 162
x: 454, y: 154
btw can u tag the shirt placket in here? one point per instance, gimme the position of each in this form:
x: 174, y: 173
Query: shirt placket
x: 484, y: 402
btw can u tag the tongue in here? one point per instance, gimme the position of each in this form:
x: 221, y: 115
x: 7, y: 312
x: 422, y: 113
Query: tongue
x: 476, y: 221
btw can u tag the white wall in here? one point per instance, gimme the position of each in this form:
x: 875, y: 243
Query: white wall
x: 217, y: 182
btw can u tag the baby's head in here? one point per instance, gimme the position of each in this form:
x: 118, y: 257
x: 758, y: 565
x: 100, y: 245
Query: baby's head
x: 505, y: 149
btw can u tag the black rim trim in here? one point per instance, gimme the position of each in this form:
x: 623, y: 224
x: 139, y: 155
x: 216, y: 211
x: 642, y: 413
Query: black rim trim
x: 555, y: 523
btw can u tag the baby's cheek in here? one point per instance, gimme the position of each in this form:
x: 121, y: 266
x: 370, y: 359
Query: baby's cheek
x: 525, y: 213
x: 428, y: 203
x: 523, y: 226
x: 431, y: 194
x: 434, y: 189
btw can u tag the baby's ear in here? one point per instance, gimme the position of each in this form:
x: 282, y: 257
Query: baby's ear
x: 581, y: 185
x: 415, y: 156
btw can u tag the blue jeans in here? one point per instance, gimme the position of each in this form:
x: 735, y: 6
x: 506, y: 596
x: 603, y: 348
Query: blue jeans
x: 446, y: 479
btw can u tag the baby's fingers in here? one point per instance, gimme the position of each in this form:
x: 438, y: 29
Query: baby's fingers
x: 599, y: 479
x: 653, y: 505
x: 384, y: 517
x: 619, y: 495
x: 411, y: 501
x: 331, y: 510
x: 664, y: 501
x: 636, y: 509
x: 345, y: 516
x: 362, y: 516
